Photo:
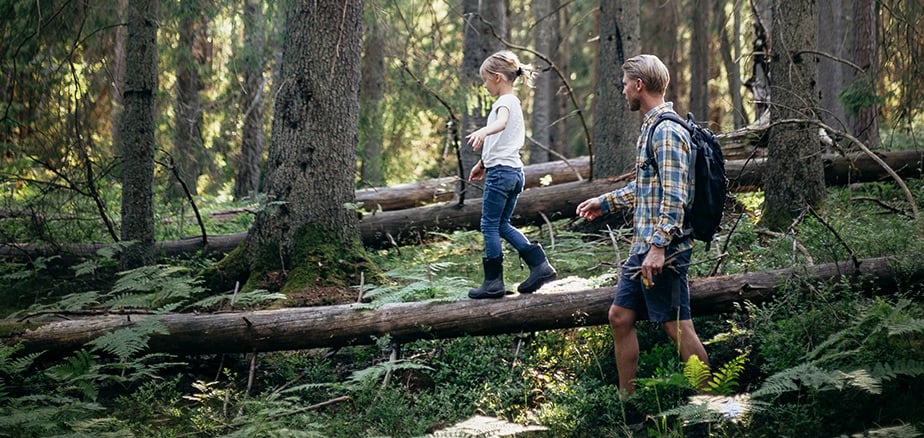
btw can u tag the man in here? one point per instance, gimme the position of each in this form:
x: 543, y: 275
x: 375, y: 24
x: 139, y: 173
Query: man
x: 653, y: 281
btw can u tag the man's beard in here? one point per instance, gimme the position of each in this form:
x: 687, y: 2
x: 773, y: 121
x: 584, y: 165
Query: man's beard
x: 635, y: 104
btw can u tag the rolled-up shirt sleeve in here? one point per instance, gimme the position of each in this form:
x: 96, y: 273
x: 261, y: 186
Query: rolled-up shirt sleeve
x: 623, y: 197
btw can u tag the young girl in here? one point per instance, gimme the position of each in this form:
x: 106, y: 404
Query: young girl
x: 500, y: 166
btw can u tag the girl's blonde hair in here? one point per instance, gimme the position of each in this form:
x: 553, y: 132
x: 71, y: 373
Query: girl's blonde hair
x: 507, y: 64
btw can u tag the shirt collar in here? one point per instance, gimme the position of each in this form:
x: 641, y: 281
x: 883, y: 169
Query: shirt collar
x: 654, y: 112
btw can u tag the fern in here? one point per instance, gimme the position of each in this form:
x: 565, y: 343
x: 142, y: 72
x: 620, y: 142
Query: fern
x: 151, y: 287
x: 725, y: 380
x: 126, y: 342
x: 817, y: 379
x: 696, y: 372
x: 417, y: 283
x: 722, y: 382
x: 885, y: 371
x: 240, y: 300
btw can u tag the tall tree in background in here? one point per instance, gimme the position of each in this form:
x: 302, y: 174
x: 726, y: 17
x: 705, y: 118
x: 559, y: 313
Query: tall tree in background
x: 545, y: 112
x: 247, y: 182
x: 371, y: 92
x: 759, y: 82
x: 794, y: 174
x: 835, y: 34
x: 138, y: 134
x: 730, y: 50
x: 188, y: 146
x: 615, y: 129
x: 866, y: 42
x: 478, y: 42
x: 699, y: 60
x: 308, y: 235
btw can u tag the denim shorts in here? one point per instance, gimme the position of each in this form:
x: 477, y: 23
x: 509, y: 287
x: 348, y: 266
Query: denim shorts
x: 668, y: 299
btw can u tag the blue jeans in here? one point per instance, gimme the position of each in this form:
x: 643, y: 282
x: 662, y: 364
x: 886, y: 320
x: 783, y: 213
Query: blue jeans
x: 502, y: 186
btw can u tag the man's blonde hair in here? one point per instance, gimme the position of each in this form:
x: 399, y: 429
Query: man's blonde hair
x: 650, y: 70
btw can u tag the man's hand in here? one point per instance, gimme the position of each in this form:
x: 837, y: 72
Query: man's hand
x: 653, y: 264
x: 589, y: 209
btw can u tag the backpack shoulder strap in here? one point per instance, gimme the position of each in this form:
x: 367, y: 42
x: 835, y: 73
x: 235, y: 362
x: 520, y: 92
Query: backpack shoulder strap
x: 670, y: 115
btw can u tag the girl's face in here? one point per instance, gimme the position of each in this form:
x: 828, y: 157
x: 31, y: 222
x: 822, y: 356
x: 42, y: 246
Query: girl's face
x: 492, y: 82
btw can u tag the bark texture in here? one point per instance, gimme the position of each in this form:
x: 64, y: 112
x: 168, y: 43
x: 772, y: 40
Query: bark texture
x: 795, y: 173
x: 371, y: 92
x: 615, y: 128
x: 310, y: 171
x: 137, y: 134
x: 247, y: 182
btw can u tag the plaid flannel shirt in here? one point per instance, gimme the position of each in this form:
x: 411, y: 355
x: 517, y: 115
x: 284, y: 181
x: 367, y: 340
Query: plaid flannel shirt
x: 658, y: 195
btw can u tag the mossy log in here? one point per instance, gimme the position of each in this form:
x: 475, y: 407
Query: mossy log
x: 408, y: 226
x: 553, y: 307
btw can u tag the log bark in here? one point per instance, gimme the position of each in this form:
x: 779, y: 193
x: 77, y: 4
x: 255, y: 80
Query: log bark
x: 356, y: 324
x: 558, y: 201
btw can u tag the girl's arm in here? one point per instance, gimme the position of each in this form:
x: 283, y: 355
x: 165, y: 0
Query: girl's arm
x: 476, y: 139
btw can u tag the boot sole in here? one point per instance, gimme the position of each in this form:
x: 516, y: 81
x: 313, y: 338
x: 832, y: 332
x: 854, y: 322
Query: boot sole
x: 541, y: 282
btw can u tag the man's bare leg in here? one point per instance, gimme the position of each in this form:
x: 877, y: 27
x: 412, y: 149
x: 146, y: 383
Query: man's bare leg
x: 689, y: 342
x: 625, y: 346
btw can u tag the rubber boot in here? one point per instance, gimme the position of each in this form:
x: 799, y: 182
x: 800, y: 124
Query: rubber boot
x: 540, y: 271
x: 493, y: 286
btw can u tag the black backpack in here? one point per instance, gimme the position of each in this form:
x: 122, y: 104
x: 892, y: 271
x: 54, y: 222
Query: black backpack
x: 703, y: 218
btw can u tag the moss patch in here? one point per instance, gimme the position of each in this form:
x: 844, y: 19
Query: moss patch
x: 320, y: 270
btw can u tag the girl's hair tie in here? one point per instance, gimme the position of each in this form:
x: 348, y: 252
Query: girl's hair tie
x: 519, y: 71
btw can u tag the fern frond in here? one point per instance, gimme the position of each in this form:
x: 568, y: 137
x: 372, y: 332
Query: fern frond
x: 725, y: 380
x: 899, y: 328
x: 890, y: 371
x: 126, y: 342
x: 375, y: 372
x: 696, y: 372
x: 241, y: 300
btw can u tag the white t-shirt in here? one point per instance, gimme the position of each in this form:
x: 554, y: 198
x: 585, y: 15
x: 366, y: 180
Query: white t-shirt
x: 504, y: 147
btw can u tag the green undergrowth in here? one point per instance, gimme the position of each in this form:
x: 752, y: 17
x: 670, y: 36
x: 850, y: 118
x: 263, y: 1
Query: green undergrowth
x: 819, y: 359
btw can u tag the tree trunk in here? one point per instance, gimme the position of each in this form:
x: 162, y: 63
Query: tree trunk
x: 699, y: 59
x: 759, y: 82
x: 866, y: 119
x: 555, y: 202
x: 478, y: 42
x: 834, y: 33
x: 615, y: 129
x: 545, y: 105
x: 138, y: 134
x: 555, y: 307
x: 730, y: 52
x: 247, y: 182
x: 371, y: 92
x: 795, y: 173
x: 308, y: 228
x: 188, y: 150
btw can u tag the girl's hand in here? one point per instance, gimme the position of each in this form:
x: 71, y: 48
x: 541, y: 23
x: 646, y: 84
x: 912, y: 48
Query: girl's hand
x: 589, y: 209
x: 477, y: 173
x: 476, y: 139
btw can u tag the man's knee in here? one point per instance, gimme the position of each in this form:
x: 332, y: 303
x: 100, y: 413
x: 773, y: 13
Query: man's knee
x: 621, y: 319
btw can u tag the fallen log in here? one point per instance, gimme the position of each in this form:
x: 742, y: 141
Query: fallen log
x: 556, y: 306
x: 416, y: 194
x: 383, y: 229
